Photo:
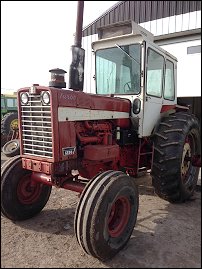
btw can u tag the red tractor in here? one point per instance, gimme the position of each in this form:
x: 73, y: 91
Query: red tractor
x: 133, y: 124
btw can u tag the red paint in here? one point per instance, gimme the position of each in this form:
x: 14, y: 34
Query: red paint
x: 66, y: 138
x: 68, y: 184
x: 20, y: 119
x: 43, y: 178
x: 89, y: 169
x: 176, y: 107
x: 27, y: 192
x: 74, y: 186
x: 101, y: 152
x: 68, y: 98
x: 37, y: 165
x: 88, y: 139
x: 166, y: 108
x: 133, y: 157
x: 119, y: 216
x: 195, y: 160
x: 98, y: 125
x: 55, y: 126
x: 94, y: 132
x: 123, y: 123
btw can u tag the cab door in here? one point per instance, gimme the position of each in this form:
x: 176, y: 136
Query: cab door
x: 153, y: 89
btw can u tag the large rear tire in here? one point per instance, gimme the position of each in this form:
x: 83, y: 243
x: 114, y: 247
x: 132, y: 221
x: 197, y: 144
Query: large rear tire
x: 9, y: 122
x: 20, y: 197
x: 106, y: 214
x: 176, y: 141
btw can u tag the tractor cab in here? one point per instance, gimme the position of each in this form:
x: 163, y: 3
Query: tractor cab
x: 8, y: 103
x: 130, y: 65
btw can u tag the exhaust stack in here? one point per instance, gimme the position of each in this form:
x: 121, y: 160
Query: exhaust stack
x: 76, y: 71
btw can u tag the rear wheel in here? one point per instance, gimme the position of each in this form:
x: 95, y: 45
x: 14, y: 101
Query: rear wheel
x: 106, y: 214
x: 21, y: 198
x: 176, y: 141
x: 9, y: 123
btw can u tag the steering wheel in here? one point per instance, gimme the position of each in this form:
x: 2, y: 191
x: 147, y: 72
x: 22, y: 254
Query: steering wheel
x: 127, y: 86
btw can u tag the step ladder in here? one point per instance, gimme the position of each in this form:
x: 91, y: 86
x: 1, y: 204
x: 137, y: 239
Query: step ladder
x: 143, y: 170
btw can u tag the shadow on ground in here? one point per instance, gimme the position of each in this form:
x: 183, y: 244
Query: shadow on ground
x: 165, y: 236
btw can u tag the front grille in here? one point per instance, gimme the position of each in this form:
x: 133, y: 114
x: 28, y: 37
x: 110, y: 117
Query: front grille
x: 36, y: 128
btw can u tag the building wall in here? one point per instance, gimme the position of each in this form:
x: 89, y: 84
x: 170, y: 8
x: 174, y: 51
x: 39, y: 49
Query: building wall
x: 145, y: 11
x: 188, y: 67
x: 174, y: 24
x: 189, y: 63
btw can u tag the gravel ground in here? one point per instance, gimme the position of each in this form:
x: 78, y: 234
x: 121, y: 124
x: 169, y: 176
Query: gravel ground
x: 165, y: 236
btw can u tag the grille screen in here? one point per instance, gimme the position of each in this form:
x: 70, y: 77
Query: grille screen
x: 36, y: 127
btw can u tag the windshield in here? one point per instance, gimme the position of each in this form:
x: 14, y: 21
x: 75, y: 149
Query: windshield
x: 118, y: 70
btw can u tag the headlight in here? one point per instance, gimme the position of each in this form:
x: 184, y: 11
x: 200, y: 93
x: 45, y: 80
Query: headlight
x: 24, y: 98
x: 45, y: 96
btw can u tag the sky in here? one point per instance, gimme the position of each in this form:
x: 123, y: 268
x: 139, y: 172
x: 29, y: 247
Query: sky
x: 36, y: 36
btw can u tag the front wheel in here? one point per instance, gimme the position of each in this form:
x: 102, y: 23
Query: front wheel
x: 21, y: 198
x: 176, y: 142
x: 106, y: 214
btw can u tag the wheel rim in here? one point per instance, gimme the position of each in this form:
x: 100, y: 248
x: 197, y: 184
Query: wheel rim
x: 186, y: 158
x: 187, y: 169
x: 14, y: 124
x: 118, y: 217
x: 28, y: 191
x: 12, y: 146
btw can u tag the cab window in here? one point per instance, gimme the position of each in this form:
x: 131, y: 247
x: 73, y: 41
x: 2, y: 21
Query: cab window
x: 15, y: 102
x: 154, y: 75
x: 2, y: 103
x: 118, y: 70
x: 10, y: 102
x: 169, y: 89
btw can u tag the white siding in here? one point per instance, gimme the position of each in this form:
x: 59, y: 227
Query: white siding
x: 89, y: 65
x: 188, y: 68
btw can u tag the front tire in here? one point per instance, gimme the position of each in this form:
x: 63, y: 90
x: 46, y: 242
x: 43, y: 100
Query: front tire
x: 20, y: 197
x: 176, y: 141
x: 106, y: 214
